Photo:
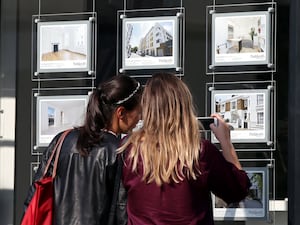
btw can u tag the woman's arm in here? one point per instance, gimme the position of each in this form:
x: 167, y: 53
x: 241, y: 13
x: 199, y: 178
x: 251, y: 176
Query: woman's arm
x: 222, y: 133
x: 227, y: 179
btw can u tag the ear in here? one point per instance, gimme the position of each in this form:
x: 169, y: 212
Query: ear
x: 120, y: 112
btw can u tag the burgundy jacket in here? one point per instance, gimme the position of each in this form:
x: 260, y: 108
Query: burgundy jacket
x: 188, y: 202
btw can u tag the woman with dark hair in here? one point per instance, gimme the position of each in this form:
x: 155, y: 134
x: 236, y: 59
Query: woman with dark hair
x: 85, y: 176
x: 169, y: 171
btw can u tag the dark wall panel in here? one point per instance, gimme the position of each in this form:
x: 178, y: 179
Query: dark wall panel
x: 294, y: 116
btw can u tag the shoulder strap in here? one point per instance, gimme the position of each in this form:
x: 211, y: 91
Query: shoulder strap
x: 55, y: 152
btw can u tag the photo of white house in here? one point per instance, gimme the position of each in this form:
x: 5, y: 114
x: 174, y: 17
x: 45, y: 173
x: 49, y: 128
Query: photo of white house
x: 245, y: 112
x: 149, y: 42
x: 240, y: 37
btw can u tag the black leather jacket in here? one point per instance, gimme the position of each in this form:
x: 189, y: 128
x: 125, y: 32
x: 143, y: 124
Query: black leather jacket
x: 84, y: 186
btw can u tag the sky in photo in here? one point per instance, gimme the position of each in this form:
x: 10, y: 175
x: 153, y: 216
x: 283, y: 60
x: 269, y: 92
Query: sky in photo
x: 142, y: 27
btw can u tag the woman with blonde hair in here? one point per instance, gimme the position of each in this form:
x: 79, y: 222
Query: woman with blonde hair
x: 169, y: 172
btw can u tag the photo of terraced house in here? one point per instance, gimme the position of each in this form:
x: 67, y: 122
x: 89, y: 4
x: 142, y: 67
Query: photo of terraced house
x: 149, y: 42
x: 245, y: 111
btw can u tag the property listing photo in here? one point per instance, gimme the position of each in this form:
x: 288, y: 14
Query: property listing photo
x: 246, y: 112
x: 240, y: 38
x: 254, y: 206
x: 58, y: 113
x: 150, y: 42
x: 63, y: 46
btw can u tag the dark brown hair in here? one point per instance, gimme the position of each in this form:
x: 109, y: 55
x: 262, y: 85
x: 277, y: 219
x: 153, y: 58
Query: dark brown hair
x: 120, y: 90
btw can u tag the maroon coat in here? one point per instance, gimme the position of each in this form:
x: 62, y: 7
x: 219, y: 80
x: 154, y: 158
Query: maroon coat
x: 188, y: 202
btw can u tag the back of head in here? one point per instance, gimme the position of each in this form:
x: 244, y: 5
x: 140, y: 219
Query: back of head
x: 120, y: 90
x: 170, y: 134
x: 167, y: 104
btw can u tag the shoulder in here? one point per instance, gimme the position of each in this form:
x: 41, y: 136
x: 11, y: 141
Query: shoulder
x: 106, y: 149
x: 209, y: 150
x: 71, y: 134
x: 207, y: 146
x: 110, y: 140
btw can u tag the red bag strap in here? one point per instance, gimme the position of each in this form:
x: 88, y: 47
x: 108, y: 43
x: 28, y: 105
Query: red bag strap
x: 55, y: 152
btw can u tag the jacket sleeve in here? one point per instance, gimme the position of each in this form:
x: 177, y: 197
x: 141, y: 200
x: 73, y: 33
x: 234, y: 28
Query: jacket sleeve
x: 118, y: 208
x: 121, y: 213
x: 225, y: 180
x: 38, y: 175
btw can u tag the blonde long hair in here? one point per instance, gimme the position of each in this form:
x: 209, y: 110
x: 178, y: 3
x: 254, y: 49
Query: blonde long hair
x: 169, y: 141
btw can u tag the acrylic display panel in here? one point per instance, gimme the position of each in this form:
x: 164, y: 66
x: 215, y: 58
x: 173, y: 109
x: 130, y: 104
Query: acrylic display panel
x: 254, y: 206
x: 58, y: 113
x: 64, y: 46
x: 240, y: 38
x: 150, y: 42
x: 246, y: 111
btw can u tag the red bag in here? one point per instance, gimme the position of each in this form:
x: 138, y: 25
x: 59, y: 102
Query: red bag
x: 40, y: 209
